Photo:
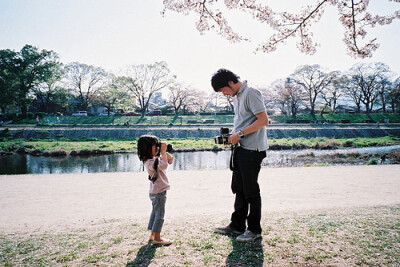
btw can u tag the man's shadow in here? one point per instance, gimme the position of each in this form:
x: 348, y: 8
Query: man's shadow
x: 144, y: 256
x: 246, y: 253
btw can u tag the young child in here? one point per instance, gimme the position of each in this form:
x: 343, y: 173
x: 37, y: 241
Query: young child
x: 156, y: 159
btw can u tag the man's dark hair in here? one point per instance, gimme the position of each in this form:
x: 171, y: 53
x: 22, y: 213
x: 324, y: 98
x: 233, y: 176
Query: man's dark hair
x: 222, y: 77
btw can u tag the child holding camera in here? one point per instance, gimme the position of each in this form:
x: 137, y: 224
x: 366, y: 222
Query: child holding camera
x: 156, y: 159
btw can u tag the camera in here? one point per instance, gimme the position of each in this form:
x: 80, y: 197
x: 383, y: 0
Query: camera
x: 223, y: 138
x: 169, y: 147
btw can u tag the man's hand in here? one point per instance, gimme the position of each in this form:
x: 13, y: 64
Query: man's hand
x: 234, y: 138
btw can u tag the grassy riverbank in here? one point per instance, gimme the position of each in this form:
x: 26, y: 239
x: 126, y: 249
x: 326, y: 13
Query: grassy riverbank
x: 189, y: 143
x: 345, y: 237
x: 219, y: 119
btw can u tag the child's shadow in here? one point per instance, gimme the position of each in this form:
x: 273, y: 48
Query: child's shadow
x: 144, y: 256
x: 246, y: 254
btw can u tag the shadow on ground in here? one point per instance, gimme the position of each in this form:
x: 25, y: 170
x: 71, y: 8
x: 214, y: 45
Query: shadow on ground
x: 246, y: 254
x: 144, y: 256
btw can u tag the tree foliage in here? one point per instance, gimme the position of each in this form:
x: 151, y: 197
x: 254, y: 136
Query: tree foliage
x: 113, y: 96
x: 32, y: 73
x: 366, y: 82
x: 48, y: 91
x: 86, y: 80
x: 314, y: 81
x: 144, y: 80
x: 366, y: 85
x: 394, y: 96
x: 22, y: 71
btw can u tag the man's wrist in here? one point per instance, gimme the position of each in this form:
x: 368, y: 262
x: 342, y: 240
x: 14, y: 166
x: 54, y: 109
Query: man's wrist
x: 241, y: 133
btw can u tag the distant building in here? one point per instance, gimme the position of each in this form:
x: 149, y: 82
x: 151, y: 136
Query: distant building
x: 158, y: 99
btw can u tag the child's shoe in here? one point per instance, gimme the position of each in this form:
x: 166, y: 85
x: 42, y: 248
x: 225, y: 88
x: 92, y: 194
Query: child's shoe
x: 152, y: 237
x: 162, y: 242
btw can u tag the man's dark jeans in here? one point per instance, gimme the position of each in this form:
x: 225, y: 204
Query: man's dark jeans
x: 247, y: 164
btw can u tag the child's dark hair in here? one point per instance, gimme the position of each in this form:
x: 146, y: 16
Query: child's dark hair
x: 145, y: 146
x: 222, y: 77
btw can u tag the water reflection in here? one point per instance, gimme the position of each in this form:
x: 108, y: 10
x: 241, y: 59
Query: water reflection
x: 24, y: 164
x: 103, y: 163
x: 13, y: 164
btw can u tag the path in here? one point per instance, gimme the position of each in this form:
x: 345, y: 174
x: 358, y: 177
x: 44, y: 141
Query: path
x: 58, y: 201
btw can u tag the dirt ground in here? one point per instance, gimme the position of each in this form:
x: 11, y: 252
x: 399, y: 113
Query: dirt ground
x: 65, y: 201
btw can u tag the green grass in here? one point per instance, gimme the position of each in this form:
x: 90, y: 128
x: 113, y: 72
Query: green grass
x: 132, y: 120
x: 131, y: 145
x: 367, y: 236
x: 339, y: 142
x: 337, y: 118
x: 218, y: 119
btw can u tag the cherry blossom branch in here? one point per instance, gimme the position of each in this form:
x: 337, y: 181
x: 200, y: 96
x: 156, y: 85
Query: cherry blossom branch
x: 352, y: 14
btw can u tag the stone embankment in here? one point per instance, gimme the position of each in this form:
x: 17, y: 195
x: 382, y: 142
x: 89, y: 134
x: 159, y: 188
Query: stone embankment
x: 274, y: 131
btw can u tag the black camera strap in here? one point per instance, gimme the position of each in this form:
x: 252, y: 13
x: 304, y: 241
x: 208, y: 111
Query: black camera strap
x: 231, y: 163
x: 155, y: 167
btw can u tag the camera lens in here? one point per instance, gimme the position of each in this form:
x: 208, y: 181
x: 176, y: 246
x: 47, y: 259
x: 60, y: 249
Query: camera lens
x: 169, y: 148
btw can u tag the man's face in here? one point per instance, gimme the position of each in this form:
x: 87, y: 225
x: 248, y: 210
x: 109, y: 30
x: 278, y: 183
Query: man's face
x: 231, y: 89
x: 227, y: 91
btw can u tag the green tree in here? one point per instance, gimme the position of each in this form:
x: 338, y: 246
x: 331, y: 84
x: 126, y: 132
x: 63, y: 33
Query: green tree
x: 112, y: 96
x: 22, y: 71
x: 60, y: 99
x: 7, y: 78
x: 46, y: 91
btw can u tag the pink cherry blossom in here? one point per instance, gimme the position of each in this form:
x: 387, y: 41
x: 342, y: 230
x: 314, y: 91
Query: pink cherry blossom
x: 352, y: 14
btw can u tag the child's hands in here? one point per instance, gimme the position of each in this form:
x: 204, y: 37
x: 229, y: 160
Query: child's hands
x: 169, y: 157
x: 163, y: 147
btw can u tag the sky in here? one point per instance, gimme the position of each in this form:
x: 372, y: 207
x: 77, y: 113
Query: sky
x: 118, y: 33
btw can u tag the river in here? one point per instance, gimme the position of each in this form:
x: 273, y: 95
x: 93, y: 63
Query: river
x: 28, y: 164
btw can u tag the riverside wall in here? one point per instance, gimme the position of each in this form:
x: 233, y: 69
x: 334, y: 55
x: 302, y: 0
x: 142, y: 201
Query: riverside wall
x: 195, y: 132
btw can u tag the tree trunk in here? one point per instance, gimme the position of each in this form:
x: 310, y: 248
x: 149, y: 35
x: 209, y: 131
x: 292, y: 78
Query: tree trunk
x: 293, y: 112
x: 24, y: 111
x: 383, y: 104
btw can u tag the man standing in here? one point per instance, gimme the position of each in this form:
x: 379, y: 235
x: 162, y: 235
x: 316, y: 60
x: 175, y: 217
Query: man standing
x: 250, y: 136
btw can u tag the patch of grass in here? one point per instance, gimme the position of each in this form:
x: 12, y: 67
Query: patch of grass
x: 338, y: 117
x: 316, y: 165
x: 117, y: 240
x: 373, y: 161
x: 189, y: 143
x: 67, y: 257
x: 217, y: 118
x: 362, y: 236
x: 94, y: 258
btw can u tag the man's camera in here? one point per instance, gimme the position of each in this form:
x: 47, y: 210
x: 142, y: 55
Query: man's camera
x: 223, y: 138
x: 169, y: 147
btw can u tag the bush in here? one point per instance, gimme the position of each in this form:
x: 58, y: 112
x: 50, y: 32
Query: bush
x: 5, y: 133
x: 373, y: 161
x: 40, y: 114
x: 348, y: 144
